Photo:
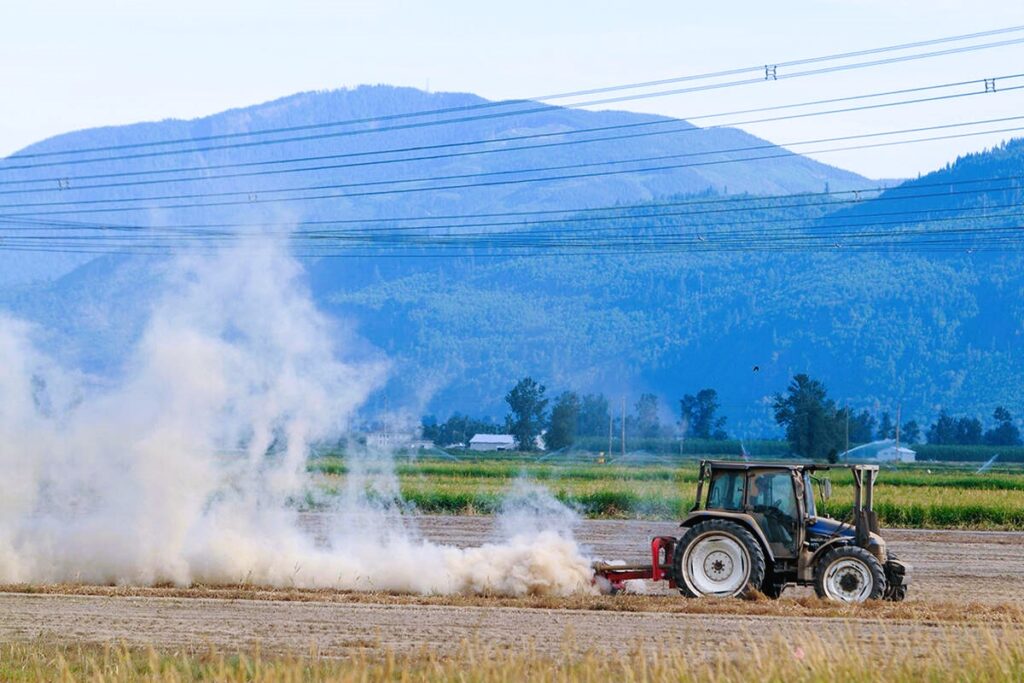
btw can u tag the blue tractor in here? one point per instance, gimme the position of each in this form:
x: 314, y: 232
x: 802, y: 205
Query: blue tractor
x: 755, y: 527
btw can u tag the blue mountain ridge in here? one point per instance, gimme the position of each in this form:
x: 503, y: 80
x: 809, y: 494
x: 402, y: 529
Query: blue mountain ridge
x: 925, y: 330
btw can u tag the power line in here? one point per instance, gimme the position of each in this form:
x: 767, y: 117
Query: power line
x: 659, y: 235
x: 1001, y: 237
x: 585, y: 214
x: 66, y: 184
x: 381, y: 129
x: 956, y: 238
x: 823, y: 224
x: 252, y: 196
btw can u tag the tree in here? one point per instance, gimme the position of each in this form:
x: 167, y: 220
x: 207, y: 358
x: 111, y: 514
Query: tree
x: 527, y: 420
x: 943, y: 431
x: 594, y: 415
x: 964, y: 431
x: 811, y: 420
x: 862, y: 427
x: 698, y: 415
x: 968, y: 431
x: 1005, y: 433
x: 886, y: 427
x: 646, y: 424
x: 565, y: 414
x: 911, y: 432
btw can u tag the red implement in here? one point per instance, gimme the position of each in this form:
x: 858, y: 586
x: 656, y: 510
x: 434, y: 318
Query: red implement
x: 660, y: 568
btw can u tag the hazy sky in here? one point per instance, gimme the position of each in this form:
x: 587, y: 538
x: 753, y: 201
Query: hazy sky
x: 70, y: 64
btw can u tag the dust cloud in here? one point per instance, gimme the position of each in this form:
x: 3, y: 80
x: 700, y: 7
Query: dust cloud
x: 190, y: 467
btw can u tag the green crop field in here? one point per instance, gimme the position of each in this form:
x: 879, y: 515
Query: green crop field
x: 922, y: 495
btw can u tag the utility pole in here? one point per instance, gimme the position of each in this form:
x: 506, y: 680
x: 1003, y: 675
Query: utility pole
x: 623, y: 425
x: 846, y: 455
x: 899, y: 409
x: 610, y: 421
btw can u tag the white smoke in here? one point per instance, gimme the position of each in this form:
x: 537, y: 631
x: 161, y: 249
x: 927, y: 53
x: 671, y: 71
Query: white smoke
x: 189, y: 468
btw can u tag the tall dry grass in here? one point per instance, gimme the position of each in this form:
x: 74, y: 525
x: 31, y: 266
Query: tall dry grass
x: 990, y: 656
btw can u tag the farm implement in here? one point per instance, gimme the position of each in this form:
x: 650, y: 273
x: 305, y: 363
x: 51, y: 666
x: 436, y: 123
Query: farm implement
x: 757, y: 529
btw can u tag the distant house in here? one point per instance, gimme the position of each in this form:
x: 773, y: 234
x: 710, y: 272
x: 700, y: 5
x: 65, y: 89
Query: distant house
x: 884, y: 450
x: 389, y: 440
x: 492, y: 442
x: 893, y: 454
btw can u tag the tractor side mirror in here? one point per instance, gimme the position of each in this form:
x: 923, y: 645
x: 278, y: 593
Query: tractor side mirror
x: 826, y: 488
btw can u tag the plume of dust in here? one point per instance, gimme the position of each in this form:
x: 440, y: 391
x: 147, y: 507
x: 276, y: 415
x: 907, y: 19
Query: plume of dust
x: 190, y: 468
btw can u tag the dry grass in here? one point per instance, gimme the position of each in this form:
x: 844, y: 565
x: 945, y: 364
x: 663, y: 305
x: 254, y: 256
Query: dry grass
x: 912, y: 611
x: 980, y: 655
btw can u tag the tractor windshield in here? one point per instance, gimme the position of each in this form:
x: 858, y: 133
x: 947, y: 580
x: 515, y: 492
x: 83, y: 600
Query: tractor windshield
x: 726, y: 492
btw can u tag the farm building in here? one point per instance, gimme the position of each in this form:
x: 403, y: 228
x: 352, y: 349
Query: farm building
x: 894, y: 454
x: 387, y: 440
x: 885, y: 450
x: 492, y: 442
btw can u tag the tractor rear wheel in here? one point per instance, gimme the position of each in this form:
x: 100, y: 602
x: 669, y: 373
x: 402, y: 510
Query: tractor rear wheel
x: 849, y: 574
x: 718, y: 558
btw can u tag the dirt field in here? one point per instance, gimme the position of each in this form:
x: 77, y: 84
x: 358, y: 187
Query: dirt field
x: 969, y: 572
x: 958, y: 566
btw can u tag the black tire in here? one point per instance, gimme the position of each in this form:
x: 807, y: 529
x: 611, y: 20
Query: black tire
x: 843, y: 575
x: 895, y: 589
x: 735, y: 539
x: 772, y: 587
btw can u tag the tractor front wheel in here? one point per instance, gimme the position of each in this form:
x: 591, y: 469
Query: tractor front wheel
x: 849, y: 574
x: 718, y: 558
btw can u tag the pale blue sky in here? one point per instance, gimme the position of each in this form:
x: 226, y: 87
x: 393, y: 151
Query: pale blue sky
x: 70, y: 64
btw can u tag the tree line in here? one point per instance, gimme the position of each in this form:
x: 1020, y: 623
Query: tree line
x: 572, y: 415
x: 816, y: 427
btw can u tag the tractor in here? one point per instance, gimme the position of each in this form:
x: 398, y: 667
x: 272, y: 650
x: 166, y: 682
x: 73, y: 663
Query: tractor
x: 757, y: 529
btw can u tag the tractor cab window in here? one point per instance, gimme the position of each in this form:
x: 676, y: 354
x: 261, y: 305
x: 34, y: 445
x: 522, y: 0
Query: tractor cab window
x: 726, y: 492
x: 772, y: 501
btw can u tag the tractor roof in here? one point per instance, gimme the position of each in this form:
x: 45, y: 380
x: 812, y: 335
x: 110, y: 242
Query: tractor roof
x: 764, y: 464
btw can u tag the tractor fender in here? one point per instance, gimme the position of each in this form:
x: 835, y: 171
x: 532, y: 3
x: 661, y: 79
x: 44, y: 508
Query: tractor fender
x: 740, y: 518
x: 824, y: 548
x: 876, y: 547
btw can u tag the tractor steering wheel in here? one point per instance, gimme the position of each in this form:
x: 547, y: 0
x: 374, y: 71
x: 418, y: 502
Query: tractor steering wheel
x: 773, y: 512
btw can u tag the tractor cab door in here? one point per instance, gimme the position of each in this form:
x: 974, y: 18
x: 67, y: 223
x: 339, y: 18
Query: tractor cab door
x: 772, y: 502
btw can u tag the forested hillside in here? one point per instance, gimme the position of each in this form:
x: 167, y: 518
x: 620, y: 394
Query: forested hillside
x: 930, y: 329
x: 696, y: 288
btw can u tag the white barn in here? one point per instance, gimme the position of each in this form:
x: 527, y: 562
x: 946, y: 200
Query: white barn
x: 880, y: 451
x: 492, y: 442
x: 893, y: 454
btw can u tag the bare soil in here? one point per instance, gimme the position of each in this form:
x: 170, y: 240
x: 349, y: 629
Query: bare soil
x: 963, y: 580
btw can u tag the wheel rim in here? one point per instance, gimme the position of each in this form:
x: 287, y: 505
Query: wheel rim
x: 716, y: 565
x: 848, y: 580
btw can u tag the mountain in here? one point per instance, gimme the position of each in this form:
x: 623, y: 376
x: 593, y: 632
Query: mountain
x: 925, y: 328
x: 478, y: 121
